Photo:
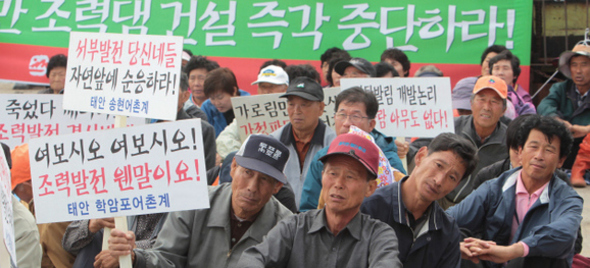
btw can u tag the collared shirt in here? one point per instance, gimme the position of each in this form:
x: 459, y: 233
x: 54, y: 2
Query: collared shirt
x: 302, y: 147
x: 238, y: 227
x: 524, y: 201
x: 580, y: 98
x: 305, y: 240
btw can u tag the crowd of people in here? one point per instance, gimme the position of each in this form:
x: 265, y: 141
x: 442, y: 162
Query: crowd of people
x: 497, y: 192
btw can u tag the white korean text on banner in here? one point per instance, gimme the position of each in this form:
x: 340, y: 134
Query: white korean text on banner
x: 123, y: 74
x: 26, y: 116
x: 410, y: 107
x: 124, y: 171
x: 6, y: 199
x: 267, y: 113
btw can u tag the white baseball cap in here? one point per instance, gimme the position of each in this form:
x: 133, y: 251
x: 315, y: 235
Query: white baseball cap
x: 272, y: 74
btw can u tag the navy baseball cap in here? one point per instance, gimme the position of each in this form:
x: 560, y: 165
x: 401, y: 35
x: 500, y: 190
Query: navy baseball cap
x: 264, y: 154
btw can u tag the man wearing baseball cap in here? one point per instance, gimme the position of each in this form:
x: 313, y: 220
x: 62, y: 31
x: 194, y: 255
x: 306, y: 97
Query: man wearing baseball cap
x: 305, y: 134
x: 337, y: 235
x: 240, y: 214
x: 271, y: 79
x: 568, y: 101
x: 355, y: 68
x: 483, y: 128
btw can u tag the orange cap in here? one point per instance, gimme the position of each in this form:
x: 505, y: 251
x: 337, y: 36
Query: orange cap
x: 491, y: 82
x: 21, y: 168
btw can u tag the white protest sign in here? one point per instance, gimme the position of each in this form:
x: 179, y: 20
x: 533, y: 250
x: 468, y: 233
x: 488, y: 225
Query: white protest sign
x: 26, y: 116
x: 410, y: 107
x: 267, y: 113
x: 123, y: 171
x: 6, y: 206
x: 123, y: 74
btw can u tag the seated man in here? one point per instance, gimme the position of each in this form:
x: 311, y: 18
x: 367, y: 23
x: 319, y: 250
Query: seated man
x: 338, y: 235
x: 240, y: 214
x: 306, y: 133
x: 527, y: 216
x: 271, y: 79
x: 427, y: 236
x: 483, y: 128
x: 568, y: 101
x: 357, y: 107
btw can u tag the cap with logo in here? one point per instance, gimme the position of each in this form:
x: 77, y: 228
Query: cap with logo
x: 264, y: 154
x: 363, y: 65
x: 491, y: 82
x: 306, y: 88
x: 361, y: 149
x: 272, y: 74
x: 564, y: 59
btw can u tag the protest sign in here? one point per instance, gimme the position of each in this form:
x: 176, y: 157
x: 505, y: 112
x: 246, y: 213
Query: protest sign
x: 6, y: 207
x: 267, y: 113
x: 132, y: 75
x: 123, y: 171
x: 410, y: 107
x: 26, y: 116
x: 241, y: 34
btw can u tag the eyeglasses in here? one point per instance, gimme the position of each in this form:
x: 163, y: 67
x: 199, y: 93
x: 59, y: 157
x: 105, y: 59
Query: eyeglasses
x: 354, y: 118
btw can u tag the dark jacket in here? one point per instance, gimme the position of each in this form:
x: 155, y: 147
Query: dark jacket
x: 437, y: 244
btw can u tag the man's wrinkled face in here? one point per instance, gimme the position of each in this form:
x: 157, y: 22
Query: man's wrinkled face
x: 345, y: 184
x: 352, y: 113
x: 57, y: 78
x: 353, y: 72
x: 540, y: 156
x: 487, y: 107
x: 268, y: 88
x: 250, y: 189
x: 437, y: 174
x: 196, y: 80
x: 304, y: 114
x: 580, y: 68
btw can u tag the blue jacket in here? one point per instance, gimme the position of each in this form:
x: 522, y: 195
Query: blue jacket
x: 216, y: 118
x: 437, y: 243
x: 549, y: 227
x: 313, y: 181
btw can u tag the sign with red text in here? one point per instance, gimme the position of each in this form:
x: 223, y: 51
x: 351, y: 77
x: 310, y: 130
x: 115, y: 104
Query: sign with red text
x: 267, y: 113
x: 123, y: 74
x: 6, y: 207
x: 124, y: 171
x: 410, y: 107
x: 26, y: 116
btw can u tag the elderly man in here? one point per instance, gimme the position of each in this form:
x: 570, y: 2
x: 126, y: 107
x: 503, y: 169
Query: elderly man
x: 271, y: 79
x: 338, y: 235
x: 527, y: 217
x: 241, y: 213
x: 427, y: 236
x: 357, y: 107
x: 568, y: 101
x: 305, y: 134
x: 463, y: 89
x: 483, y: 128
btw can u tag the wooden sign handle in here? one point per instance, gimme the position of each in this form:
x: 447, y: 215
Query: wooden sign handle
x: 120, y: 222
